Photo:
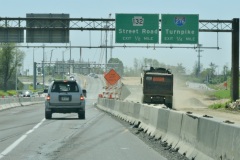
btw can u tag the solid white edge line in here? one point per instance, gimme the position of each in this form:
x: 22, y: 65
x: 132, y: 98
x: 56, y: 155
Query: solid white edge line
x: 18, y: 141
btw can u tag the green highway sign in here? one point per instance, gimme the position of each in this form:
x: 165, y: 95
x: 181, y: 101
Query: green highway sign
x: 137, y: 28
x: 179, y: 28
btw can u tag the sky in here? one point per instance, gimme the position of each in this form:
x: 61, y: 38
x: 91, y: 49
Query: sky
x: 207, y: 10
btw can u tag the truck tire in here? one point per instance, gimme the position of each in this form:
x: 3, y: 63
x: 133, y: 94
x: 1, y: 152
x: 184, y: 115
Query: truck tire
x: 48, y: 115
x: 81, y: 114
x: 144, y: 99
x: 169, y: 105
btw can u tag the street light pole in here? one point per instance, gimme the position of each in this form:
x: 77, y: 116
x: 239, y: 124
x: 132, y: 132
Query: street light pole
x: 106, y: 51
x: 70, y: 59
x: 16, y: 73
x: 43, y: 67
x: 49, y: 70
x: 34, y: 73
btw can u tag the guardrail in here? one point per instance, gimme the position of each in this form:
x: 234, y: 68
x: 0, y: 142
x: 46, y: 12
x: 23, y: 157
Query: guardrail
x: 197, y: 137
x: 10, y: 102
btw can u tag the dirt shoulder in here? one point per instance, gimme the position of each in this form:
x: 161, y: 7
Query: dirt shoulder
x: 190, y: 100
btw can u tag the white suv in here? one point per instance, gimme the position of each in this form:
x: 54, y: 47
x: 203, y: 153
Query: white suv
x: 65, y: 96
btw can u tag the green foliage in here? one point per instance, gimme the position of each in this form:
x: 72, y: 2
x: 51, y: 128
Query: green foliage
x: 11, y: 92
x: 2, y: 93
x: 222, y: 94
x: 217, y: 106
x: 8, y: 93
x: 10, y: 59
x: 220, y: 105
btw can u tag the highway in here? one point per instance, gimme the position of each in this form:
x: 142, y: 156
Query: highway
x: 27, y: 135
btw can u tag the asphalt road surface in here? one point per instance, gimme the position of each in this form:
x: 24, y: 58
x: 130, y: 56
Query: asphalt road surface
x: 26, y: 135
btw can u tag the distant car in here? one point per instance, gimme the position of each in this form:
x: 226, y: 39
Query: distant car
x: 27, y: 93
x: 72, y: 77
x: 95, y: 76
x: 91, y: 74
x: 65, y: 96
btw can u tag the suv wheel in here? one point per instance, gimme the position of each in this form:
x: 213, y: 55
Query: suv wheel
x: 81, y: 114
x: 48, y: 115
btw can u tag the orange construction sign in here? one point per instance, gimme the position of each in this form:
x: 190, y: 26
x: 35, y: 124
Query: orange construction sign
x: 112, y: 77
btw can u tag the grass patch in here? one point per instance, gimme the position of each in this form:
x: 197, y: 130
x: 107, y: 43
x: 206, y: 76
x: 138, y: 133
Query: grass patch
x: 217, y: 106
x: 222, y: 94
x: 220, y: 105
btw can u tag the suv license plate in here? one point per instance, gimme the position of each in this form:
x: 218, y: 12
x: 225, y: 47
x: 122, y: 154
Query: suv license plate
x: 65, y: 98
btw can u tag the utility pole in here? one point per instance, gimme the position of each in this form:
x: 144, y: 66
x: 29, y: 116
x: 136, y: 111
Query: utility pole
x: 235, y: 60
x: 199, y: 56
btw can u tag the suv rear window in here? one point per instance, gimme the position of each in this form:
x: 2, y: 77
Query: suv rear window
x: 65, y: 86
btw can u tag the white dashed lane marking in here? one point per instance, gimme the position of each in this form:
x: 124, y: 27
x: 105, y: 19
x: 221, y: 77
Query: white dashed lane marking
x: 18, y: 141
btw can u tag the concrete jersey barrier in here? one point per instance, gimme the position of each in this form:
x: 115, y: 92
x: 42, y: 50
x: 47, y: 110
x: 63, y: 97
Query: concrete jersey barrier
x: 10, y: 102
x: 195, y: 136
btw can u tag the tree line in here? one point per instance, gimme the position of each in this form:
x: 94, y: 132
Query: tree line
x: 11, y: 58
x: 209, y: 74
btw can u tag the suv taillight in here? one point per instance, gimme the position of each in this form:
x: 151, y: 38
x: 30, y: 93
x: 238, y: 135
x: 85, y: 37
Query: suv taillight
x: 48, y: 98
x: 81, y: 98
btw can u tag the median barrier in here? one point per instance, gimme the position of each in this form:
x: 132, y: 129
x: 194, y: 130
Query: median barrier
x: 195, y: 136
x: 174, y: 128
x: 189, y: 137
x: 11, y: 102
x: 25, y: 100
x: 228, y: 142
x: 108, y: 104
x: 111, y: 104
x: 153, y: 120
x: 117, y: 108
x: 99, y: 101
x: 124, y: 110
x: 131, y: 112
x: 101, y: 104
x: 162, y: 124
x: 208, y: 129
x: 128, y: 109
x: 144, y: 116
x: 2, y: 101
x: 136, y: 112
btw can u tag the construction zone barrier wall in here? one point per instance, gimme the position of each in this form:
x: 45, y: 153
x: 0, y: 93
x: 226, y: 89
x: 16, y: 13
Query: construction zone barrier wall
x: 198, y: 137
x: 11, y: 102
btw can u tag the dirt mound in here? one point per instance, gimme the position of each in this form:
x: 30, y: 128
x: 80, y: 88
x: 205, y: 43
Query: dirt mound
x: 195, y: 102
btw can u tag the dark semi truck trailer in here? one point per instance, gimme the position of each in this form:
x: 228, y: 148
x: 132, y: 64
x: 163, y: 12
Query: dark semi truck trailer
x: 157, y: 86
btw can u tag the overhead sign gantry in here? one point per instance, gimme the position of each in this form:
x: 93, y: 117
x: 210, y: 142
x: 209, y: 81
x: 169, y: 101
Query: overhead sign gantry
x: 11, y: 30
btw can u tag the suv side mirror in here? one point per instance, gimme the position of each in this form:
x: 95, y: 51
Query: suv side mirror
x: 45, y: 91
x: 84, y: 92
